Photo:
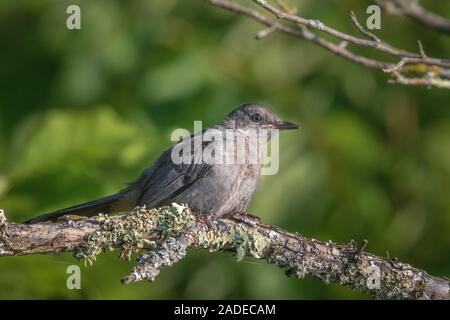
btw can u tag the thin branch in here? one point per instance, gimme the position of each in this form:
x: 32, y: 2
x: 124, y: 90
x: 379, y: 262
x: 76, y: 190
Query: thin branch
x: 168, y: 233
x: 362, y: 30
x: 377, y: 44
x: 421, y: 50
x: 418, y: 63
x: 264, y: 33
x: 413, y: 9
x: 431, y: 81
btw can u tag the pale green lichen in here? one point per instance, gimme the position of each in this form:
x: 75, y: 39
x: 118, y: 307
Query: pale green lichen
x: 172, y: 220
x: 248, y: 242
x: 213, y: 241
x: 245, y: 241
x: 349, y: 268
x: 130, y: 234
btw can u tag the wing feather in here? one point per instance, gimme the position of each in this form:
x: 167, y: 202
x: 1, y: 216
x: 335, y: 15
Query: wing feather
x: 165, y: 180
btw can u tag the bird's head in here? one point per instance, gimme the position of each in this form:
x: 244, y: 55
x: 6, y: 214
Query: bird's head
x: 252, y: 116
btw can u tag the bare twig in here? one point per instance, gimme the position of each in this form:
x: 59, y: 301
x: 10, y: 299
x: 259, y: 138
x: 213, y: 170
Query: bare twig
x: 421, y: 50
x: 169, y: 233
x: 362, y: 30
x: 413, y: 9
x: 264, y: 33
x: 417, y: 63
x: 431, y: 81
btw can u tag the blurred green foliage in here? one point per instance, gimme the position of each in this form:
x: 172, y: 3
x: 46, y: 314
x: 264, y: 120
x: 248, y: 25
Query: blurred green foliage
x: 82, y: 112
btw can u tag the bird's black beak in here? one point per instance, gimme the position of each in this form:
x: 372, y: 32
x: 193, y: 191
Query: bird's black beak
x: 284, y: 125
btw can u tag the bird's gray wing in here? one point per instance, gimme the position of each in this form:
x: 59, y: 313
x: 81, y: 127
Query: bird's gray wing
x: 165, y: 180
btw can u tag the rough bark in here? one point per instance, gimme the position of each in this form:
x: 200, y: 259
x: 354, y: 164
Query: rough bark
x: 168, y: 233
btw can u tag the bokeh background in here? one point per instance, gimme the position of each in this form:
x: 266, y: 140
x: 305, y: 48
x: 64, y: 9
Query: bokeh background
x: 83, y: 112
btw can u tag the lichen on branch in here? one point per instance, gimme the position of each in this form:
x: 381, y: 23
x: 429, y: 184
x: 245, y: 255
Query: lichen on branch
x: 132, y: 234
x: 164, y: 237
x: 276, y: 16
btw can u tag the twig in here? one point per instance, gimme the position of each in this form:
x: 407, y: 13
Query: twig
x: 283, y: 6
x: 264, y: 33
x: 421, y: 50
x: 431, y: 81
x: 170, y: 232
x: 377, y: 44
x: 413, y: 9
x: 420, y: 63
x: 361, y: 29
x: 363, y: 246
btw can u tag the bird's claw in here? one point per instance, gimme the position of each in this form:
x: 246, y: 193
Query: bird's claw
x: 212, y: 221
x: 70, y: 217
x: 247, y: 218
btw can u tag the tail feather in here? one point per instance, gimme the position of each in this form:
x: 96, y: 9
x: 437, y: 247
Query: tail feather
x: 88, y: 209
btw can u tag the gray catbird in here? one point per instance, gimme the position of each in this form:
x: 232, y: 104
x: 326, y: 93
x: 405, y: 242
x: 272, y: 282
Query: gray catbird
x: 207, y: 186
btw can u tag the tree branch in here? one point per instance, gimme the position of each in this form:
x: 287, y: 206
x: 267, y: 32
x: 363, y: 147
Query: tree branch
x: 425, y: 70
x: 166, y: 234
x: 413, y: 9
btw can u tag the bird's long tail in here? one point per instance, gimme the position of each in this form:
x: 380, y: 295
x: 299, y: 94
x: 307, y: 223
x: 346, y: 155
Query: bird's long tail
x: 91, y: 208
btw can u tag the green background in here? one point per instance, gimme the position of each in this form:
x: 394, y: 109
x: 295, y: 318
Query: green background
x: 83, y: 112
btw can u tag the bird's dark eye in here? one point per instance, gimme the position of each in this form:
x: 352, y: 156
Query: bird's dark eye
x: 256, y: 117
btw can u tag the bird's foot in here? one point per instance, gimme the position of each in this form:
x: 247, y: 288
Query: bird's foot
x: 212, y: 221
x: 70, y: 217
x: 247, y: 218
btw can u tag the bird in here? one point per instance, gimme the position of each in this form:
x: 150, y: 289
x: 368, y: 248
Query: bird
x: 185, y: 173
